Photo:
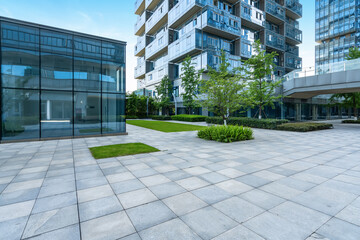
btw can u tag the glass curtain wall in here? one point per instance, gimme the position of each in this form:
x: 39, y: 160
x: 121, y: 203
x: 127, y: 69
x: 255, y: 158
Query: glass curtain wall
x: 57, y: 84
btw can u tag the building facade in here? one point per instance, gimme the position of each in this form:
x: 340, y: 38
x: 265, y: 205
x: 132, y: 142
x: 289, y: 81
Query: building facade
x: 59, y: 84
x: 170, y: 30
x: 337, y: 30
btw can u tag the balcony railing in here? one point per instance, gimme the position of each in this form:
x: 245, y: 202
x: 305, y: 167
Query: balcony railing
x: 160, y: 42
x: 140, y: 45
x: 140, y: 24
x: 292, y: 61
x: 246, y: 48
x: 140, y: 68
x: 223, y: 21
x: 253, y: 14
x: 292, y: 49
x: 157, y: 74
x: 293, y: 33
x: 160, y: 12
x: 294, y: 6
x: 274, y: 40
x: 139, y: 6
x: 184, y: 45
x: 275, y: 9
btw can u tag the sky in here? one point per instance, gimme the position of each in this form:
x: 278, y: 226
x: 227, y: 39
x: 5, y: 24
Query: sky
x: 116, y: 19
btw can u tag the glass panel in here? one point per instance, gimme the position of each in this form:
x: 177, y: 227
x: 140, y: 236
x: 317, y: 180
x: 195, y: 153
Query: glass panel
x: 20, y: 114
x: 55, y: 42
x: 87, y: 74
x: 113, y: 77
x: 56, y: 114
x: 19, y: 36
x: 85, y: 47
x: 20, y: 68
x: 56, y: 72
x: 87, y: 113
x: 113, y: 110
x: 113, y: 52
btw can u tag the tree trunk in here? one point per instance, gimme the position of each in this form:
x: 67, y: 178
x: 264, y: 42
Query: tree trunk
x: 355, y: 108
x: 224, y: 119
x: 260, y: 110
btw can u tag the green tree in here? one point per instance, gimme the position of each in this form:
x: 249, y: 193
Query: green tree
x: 224, y: 92
x: 164, y: 91
x: 131, y: 104
x: 354, y: 53
x: 257, y: 69
x: 349, y: 100
x: 190, y: 79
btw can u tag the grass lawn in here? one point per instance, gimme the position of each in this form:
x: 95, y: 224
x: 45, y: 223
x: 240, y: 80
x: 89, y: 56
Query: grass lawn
x: 121, y: 150
x: 164, y: 126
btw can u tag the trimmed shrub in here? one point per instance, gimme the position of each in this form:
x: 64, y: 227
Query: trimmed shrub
x: 304, y: 127
x: 351, y: 121
x: 226, y: 134
x: 160, y: 117
x: 249, y: 122
x: 188, y: 118
x: 131, y: 117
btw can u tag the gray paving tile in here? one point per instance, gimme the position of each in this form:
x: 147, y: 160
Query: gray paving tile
x: 113, y: 226
x: 12, y: 187
x: 134, y: 236
x: 262, y: 199
x: 52, y: 220
x: 136, y: 198
x: 205, y: 222
x: 12, y: 229
x: 127, y: 186
x: 211, y: 194
x: 89, y: 183
x: 94, y: 193
x: 149, y: 215
x: 253, y: 180
x: 98, y: 208
x: 350, y: 214
x: 339, y: 230
x: 239, y: 232
x: 55, y: 189
x: 192, y: 183
x: 184, y: 203
x: 16, y: 210
x: 54, y: 202
x: 238, y: 209
x: 154, y: 180
x: 234, y: 187
x: 69, y: 233
x: 161, y: 231
x: 167, y: 190
x: 213, y: 177
x: 19, y: 196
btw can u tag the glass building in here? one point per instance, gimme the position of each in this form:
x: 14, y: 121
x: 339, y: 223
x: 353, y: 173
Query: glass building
x: 59, y: 84
x: 337, y: 29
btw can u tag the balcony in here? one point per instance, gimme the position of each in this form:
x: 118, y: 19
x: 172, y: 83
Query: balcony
x: 158, y: 46
x: 292, y: 62
x: 215, y: 20
x: 293, y: 35
x: 251, y: 16
x: 292, y: 49
x: 183, y: 10
x: 273, y: 40
x: 293, y: 9
x: 158, y: 18
x: 151, y: 4
x: 188, y: 44
x: 246, y: 48
x: 157, y: 74
x: 139, y: 6
x: 274, y: 12
x: 140, y: 25
x: 140, y: 46
x: 140, y: 69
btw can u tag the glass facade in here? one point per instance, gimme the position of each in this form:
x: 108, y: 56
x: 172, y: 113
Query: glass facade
x: 56, y: 83
x: 337, y: 29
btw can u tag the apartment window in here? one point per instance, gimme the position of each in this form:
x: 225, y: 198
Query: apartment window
x: 150, y: 77
x: 195, y: 22
x: 258, y: 16
x: 216, y: 17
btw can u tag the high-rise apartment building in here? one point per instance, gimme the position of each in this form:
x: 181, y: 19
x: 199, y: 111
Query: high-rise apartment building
x: 337, y: 29
x: 170, y: 30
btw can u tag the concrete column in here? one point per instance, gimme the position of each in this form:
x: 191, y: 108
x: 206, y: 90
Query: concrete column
x: 298, y: 112
x: 314, y: 112
x: 249, y: 113
x: 328, y: 113
x: 48, y: 110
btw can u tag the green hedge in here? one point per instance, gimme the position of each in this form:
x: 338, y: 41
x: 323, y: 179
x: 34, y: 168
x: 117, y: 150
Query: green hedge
x: 249, y: 122
x: 131, y: 117
x: 226, y: 134
x: 188, y: 118
x: 158, y: 117
x: 304, y: 127
x: 351, y: 121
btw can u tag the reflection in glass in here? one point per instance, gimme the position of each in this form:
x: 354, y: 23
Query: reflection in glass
x: 19, y: 36
x: 113, y: 110
x: 87, y: 74
x: 87, y: 113
x: 56, y: 72
x: 20, y: 114
x: 20, y: 68
x: 56, y: 114
x: 113, y: 77
x: 55, y: 42
x: 85, y: 47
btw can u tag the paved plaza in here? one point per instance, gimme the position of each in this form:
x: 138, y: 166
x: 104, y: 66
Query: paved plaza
x: 282, y: 185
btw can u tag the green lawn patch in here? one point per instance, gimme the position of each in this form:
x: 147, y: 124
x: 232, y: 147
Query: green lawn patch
x: 164, y: 126
x: 351, y: 121
x: 249, y: 122
x: 118, y: 150
x: 304, y: 126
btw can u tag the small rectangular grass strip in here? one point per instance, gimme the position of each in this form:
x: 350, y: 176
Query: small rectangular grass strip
x: 118, y: 150
x: 164, y: 126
